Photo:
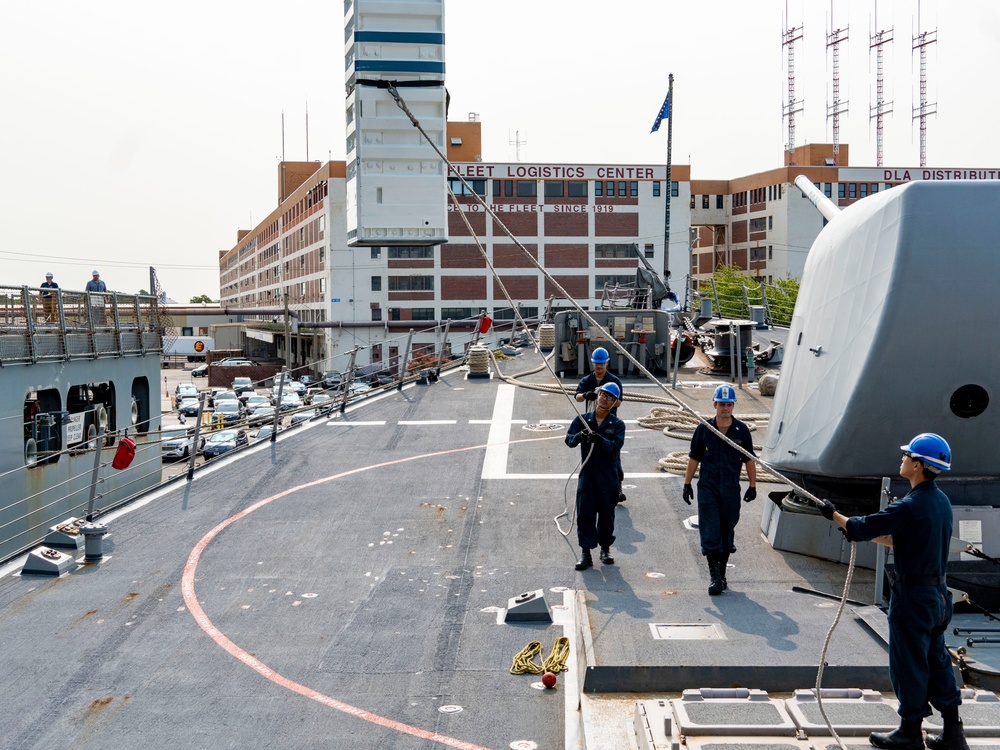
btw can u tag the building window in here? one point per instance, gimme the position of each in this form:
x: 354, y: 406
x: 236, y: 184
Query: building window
x: 393, y: 313
x: 864, y: 189
x: 322, y: 254
x: 186, y: 331
x: 457, y: 313
x: 656, y: 189
x: 874, y: 188
x: 770, y: 223
x: 577, y: 189
x: 406, y: 252
x: 828, y: 189
x: 770, y: 254
x: 841, y: 190
x: 527, y: 188
x: 691, y: 202
x: 507, y: 313
x: 411, y: 283
x: 718, y: 201
x: 610, y: 189
x: 675, y: 189
x: 376, y: 315
x: 376, y: 283
x: 554, y: 188
x: 302, y: 261
x: 376, y: 351
x: 758, y: 225
x: 633, y: 189
x: 601, y: 280
x: 852, y: 190
x: 648, y: 251
x: 458, y: 188
x: 322, y: 285
x: 376, y: 253
x: 616, y: 251
x: 758, y: 253
x: 621, y: 189
x: 422, y: 313
x: 704, y: 201
x: 598, y: 188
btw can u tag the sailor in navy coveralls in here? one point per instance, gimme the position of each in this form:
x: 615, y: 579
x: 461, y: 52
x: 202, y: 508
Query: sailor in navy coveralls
x: 918, y: 528
x: 587, y: 388
x: 719, y: 484
x: 597, y: 487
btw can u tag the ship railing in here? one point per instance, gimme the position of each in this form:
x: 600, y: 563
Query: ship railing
x: 38, y: 325
x: 625, y: 297
x: 735, y: 302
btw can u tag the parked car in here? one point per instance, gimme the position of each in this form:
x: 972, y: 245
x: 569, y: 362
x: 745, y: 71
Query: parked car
x: 224, y: 395
x: 179, y: 444
x: 242, y: 386
x: 223, y: 442
x: 359, y: 386
x: 184, y: 390
x: 261, y: 415
x: 236, y: 363
x: 290, y: 401
x: 295, y: 387
x: 188, y: 407
x: 310, y: 393
x: 308, y: 380
x: 201, y: 371
x: 331, y: 380
x: 230, y: 410
x: 322, y: 402
x: 303, y: 416
x: 264, y: 433
x: 255, y: 401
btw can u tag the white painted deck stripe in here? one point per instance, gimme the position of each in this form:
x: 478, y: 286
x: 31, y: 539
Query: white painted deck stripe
x: 497, y: 448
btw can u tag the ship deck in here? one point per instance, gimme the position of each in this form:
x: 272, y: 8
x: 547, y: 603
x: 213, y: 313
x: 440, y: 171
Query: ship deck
x: 346, y: 587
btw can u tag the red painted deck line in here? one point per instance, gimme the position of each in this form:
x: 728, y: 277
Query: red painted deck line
x: 194, y: 607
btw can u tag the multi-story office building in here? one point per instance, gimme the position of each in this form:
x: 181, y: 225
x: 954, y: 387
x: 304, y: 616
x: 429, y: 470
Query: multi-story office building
x: 584, y: 223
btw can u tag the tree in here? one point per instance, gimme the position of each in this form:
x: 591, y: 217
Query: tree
x: 200, y: 298
x: 727, y: 287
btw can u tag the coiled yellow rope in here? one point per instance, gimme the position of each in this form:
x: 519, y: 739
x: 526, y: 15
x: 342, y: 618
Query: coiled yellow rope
x: 556, y: 662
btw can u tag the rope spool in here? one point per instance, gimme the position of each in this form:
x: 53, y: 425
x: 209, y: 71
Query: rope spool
x: 546, y: 336
x: 479, y: 360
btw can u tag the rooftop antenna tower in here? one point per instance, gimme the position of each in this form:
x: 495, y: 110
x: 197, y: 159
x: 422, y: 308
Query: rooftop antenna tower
x: 517, y: 143
x: 788, y: 39
x: 921, y: 42
x: 307, y: 130
x: 877, y: 41
x: 837, y: 108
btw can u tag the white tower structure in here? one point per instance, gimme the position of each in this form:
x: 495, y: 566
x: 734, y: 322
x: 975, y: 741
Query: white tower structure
x: 837, y: 107
x: 794, y: 106
x: 877, y: 42
x: 921, y: 42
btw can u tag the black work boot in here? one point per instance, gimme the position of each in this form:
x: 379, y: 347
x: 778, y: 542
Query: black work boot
x: 586, y: 561
x: 716, y: 587
x: 621, y: 497
x: 723, y: 562
x: 906, y: 737
x: 606, y: 558
x: 951, y: 738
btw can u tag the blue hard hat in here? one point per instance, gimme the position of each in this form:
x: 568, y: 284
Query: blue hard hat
x: 611, y: 388
x: 600, y: 356
x: 725, y: 394
x: 930, y: 449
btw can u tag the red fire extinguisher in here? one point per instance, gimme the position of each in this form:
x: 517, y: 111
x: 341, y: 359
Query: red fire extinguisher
x: 124, y: 454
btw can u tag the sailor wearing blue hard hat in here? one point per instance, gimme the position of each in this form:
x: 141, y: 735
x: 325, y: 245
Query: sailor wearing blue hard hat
x: 600, y: 434
x: 719, y: 484
x: 586, y: 390
x: 918, y: 528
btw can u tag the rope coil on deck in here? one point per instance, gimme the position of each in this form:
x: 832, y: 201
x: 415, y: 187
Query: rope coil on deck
x: 555, y: 662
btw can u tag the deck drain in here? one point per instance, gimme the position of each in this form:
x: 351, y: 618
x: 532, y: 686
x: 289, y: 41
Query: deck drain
x: 542, y: 427
x: 684, y: 631
x: 450, y: 709
x: 523, y: 745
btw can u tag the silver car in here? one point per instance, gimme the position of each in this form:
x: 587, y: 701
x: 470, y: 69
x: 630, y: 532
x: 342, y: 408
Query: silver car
x: 179, y: 444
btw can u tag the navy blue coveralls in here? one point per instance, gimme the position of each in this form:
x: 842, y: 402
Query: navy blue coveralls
x: 719, y: 484
x: 920, y: 607
x: 589, y: 383
x: 597, y: 487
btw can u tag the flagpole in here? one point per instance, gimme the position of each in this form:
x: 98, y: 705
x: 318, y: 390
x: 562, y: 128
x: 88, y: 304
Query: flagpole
x: 669, y: 191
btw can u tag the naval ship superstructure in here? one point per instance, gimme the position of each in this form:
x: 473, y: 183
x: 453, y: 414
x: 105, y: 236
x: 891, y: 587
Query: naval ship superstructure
x: 79, y: 371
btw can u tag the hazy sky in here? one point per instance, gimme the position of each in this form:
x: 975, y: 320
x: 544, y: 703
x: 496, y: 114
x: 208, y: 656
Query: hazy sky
x: 136, y: 135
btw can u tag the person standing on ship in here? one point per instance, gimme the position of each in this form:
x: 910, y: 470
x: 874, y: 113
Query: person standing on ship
x: 600, y: 435
x: 586, y: 390
x: 719, y: 484
x: 918, y: 528
x: 49, y: 298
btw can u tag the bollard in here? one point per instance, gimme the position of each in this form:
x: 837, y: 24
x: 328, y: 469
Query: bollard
x: 93, y: 534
